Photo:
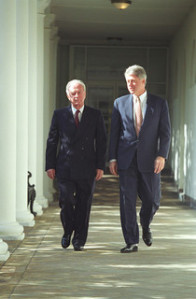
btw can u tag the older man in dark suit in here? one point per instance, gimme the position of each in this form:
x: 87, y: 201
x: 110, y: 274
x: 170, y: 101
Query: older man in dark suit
x: 75, y: 154
x: 139, y: 145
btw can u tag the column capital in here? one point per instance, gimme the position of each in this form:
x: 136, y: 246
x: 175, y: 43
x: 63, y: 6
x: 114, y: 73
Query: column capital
x: 49, y: 20
x: 54, y: 33
x: 42, y: 5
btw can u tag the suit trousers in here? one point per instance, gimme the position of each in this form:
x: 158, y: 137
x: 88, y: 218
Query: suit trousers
x: 75, y: 202
x: 134, y: 183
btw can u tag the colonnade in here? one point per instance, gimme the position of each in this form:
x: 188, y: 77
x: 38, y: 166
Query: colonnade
x: 28, y: 47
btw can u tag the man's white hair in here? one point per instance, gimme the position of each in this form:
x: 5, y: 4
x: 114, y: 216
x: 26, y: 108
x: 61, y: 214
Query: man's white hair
x: 136, y: 70
x: 72, y: 82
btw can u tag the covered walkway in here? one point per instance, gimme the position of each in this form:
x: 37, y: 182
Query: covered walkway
x: 39, y: 268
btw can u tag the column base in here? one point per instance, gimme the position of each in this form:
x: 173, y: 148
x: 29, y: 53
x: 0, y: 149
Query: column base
x: 4, y: 253
x: 37, y: 208
x: 25, y: 218
x: 11, y: 231
x: 42, y: 201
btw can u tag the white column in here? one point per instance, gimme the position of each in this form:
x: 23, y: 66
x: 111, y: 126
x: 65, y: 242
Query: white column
x: 41, y: 143
x: 32, y: 96
x: 49, y: 84
x: 54, y: 39
x: 23, y: 214
x: 32, y: 89
x: 9, y: 228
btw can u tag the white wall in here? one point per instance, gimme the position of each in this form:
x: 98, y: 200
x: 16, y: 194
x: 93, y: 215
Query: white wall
x: 182, y: 101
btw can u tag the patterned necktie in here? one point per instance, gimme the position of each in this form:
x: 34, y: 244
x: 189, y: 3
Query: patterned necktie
x: 76, y: 117
x: 138, y: 114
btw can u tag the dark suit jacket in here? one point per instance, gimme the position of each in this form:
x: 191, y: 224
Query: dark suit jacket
x: 154, y: 137
x: 76, y: 152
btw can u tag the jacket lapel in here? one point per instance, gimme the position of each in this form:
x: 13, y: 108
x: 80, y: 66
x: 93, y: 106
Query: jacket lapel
x: 84, y: 120
x: 70, y: 115
x: 68, y: 122
x: 129, y: 107
x: 149, y: 110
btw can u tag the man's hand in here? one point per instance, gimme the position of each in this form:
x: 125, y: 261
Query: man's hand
x: 113, y: 167
x: 51, y: 173
x: 99, y: 174
x: 159, y: 164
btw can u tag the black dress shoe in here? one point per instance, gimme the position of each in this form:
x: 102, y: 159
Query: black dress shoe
x: 65, y: 242
x: 147, y: 236
x: 78, y: 248
x: 129, y: 248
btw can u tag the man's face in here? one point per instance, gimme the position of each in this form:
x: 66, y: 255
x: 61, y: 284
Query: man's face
x: 76, y: 95
x: 135, y: 85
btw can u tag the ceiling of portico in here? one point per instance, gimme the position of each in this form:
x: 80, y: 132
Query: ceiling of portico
x: 153, y: 21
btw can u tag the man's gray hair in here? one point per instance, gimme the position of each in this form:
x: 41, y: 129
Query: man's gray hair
x: 72, y: 82
x: 136, y: 70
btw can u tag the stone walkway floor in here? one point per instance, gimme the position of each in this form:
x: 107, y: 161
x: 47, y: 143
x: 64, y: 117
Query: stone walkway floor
x: 39, y: 268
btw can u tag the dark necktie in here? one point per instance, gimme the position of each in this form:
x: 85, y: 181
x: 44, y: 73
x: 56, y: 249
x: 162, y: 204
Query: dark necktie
x: 76, y: 117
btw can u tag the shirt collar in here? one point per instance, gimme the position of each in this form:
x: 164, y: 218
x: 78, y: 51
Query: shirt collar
x: 74, y: 109
x: 143, y: 97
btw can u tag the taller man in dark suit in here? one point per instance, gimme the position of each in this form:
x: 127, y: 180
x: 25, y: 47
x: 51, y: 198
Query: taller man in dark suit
x: 75, y: 154
x: 139, y: 145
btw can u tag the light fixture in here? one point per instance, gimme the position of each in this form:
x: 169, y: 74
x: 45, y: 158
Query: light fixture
x: 121, y: 4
